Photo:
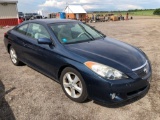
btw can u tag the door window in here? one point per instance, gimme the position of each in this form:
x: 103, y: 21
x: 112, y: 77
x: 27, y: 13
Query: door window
x: 37, y: 31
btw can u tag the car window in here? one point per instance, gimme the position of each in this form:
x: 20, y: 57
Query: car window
x: 37, y: 31
x: 22, y: 29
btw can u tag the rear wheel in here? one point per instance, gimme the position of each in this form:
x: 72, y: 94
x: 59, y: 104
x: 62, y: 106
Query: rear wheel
x: 14, y: 57
x: 73, y: 85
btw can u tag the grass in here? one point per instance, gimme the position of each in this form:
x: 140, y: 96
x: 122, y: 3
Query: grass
x: 140, y: 13
x: 131, y: 13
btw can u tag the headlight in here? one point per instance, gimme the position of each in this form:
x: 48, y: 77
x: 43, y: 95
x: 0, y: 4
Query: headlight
x: 105, y: 71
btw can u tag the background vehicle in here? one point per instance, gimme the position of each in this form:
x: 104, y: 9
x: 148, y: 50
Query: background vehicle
x: 34, y: 14
x: 27, y: 16
x: 38, y: 17
x: 21, y: 14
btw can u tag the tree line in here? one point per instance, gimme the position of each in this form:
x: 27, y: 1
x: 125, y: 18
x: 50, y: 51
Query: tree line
x: 157, y: 12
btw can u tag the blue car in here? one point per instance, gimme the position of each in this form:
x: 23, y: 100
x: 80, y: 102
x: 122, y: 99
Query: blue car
x: 83, y: 60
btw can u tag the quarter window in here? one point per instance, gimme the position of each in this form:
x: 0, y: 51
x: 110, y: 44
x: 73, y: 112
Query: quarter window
x: 37, y: 31
x: 23, y: 29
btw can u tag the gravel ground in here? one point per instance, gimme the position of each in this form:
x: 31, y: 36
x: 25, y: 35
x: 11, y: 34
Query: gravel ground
x: 33, y: 96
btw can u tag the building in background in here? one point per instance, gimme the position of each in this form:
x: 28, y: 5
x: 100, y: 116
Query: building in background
x: 52, y: 15
x: 8, y: 12
x: 75, y: 12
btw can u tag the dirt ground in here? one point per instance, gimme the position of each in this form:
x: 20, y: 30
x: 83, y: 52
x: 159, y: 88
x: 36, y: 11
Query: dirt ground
x: 33, y: 96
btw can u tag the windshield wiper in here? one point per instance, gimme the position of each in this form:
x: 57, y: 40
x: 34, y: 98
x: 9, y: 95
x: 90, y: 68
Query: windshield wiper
x: 99, y: 32
x: 87, y: 33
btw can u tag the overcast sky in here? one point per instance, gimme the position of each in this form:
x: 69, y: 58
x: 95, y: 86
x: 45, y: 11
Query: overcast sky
x: 89, y: 5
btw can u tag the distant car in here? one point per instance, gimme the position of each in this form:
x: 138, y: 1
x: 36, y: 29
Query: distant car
x: 20, y: 14
x: 38, y: 17
x: 35, y: 14
x: 84, y: 61
x: 27, y: 16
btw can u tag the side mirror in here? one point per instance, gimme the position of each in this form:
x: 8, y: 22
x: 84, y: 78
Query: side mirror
x: 44, y: 41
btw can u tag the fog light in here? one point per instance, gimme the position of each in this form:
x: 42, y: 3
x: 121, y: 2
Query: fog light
x: 113, y: 95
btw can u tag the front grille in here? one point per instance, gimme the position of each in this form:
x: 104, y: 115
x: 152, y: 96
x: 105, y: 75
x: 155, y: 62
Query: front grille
x: 136, y: 91
x: 142, y: 71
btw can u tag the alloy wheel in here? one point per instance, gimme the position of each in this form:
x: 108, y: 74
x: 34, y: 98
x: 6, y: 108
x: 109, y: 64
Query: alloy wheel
x: 72, y: 85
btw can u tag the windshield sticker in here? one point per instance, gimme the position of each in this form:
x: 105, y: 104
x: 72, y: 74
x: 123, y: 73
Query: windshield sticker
x: 64, y: 40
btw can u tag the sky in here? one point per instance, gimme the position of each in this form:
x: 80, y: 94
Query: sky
x: 89, y: 5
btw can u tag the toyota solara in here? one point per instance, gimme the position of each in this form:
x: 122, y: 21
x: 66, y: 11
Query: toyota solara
x: 82, y: 59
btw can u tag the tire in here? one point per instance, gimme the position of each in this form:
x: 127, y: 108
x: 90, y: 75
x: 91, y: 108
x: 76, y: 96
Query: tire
x: 73, y: 85
x: 14, y: 57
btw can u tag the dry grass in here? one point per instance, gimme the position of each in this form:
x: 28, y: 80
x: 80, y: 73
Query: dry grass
x: 35, y: 96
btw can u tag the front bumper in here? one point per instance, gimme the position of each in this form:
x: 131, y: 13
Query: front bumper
x: 113, y: 92
x: 122, y: 97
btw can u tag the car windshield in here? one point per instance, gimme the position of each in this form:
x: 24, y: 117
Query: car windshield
x: 73, y: 32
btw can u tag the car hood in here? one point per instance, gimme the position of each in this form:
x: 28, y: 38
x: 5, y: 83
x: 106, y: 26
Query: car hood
x: 110, y: 52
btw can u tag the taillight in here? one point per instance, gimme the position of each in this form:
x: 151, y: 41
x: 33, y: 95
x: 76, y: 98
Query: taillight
x: 5, y: 34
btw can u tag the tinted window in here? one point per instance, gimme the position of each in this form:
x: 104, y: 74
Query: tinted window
x: 37, y: 31
x: 23, y: 29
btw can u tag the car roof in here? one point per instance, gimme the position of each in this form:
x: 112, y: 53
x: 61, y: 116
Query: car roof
x: 49, y: 21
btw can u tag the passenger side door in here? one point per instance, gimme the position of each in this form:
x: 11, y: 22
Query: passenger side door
x: 39, y: 56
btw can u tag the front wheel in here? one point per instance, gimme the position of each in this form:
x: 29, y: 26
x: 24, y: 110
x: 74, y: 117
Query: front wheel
x: 73, y: 85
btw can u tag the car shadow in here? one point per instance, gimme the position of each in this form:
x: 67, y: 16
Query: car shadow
x: 122, y: 104
x: 6, y: 112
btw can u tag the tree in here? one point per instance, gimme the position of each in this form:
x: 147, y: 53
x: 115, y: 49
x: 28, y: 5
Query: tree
x: 157, y: 12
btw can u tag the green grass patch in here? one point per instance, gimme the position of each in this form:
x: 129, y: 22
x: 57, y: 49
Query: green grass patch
x: 140, y: 13
x: 131, y: 12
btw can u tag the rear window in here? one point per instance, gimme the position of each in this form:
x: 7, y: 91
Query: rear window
x: 22, y: 29
x: 37, y: 31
